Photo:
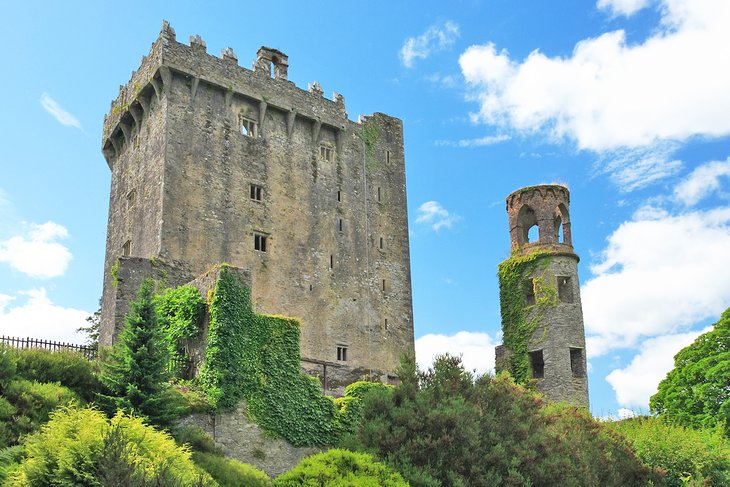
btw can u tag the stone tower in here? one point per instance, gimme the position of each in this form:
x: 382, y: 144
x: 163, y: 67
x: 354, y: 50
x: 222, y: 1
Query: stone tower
x: 212, y: 162
x: 542, y: 318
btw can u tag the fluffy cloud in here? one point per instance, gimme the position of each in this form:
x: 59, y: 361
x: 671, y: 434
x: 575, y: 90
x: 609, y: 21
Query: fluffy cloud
x: 432, y: 213
x: 623, y: 7
x: 637, y: 382
x: 62, y: 116
x: 38, y: 317
x: 436, y: 38
x: 610, y: 94
x: 702, y: 182
x: 476, y: 349
x: 37, y: 254
x: 659, y: 273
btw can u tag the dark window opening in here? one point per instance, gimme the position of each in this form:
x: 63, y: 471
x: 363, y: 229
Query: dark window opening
x: 381, y: 243
x: 332, y: 261
x: 529, y: 292
x: 257, y: 192
x: 385, y: 324
x: 249, y: 127
x: 127, y: 248
x: 379, y: 193
x: 383, y: 285
x: 537, y: 364
x: 565, y: 289
x: 326, y: 153
x: 576, y: 362
x: 342, y: 353
x: 259, y: 242
x: 310, y: 287
x: 339, y: 224
x: 387, y: 157
x: 339, y: 195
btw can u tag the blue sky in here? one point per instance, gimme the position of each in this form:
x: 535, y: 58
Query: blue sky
x: 625, y: 101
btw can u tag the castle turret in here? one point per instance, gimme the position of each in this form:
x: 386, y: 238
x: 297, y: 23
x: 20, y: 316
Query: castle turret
x: 542, y: 318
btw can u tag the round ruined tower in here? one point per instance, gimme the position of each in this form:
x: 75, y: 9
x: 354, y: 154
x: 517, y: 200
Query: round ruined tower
x: 542, y: 318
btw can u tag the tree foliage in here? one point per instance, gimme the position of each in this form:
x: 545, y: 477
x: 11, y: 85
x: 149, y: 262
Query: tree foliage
x: 135, y: 373
x: 696, y: 392
x: 442, y: 427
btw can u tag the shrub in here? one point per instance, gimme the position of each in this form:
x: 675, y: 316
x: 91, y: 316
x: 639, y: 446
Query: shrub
x: 7, y: 366
x: 702, y: 456
x: 196, y: 438
x: 230, y: 472
x: 70, y: 369
x: 82, y: 447
x: 339, y: 468
x: 10, y: 459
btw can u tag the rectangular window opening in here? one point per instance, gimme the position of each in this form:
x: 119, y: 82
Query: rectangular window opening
x: 537, y: 364
x: 127, y: 248
x: 257, y: 192
x: 339, y: 195
x: 130, y: 198
x: 326, y: 153
x: 381, y: 243
x: 529, y: 292
x: 385, y: 324
x: 383, y: 285
x: 339, y: 224
x: 379, y: 193
x: 249, y: 127
x: 387, y: 157
x: 332, y: 261
x: 565, y: 289
x: 576, y: 362
x: 260, y: 242
x: 342, y: 353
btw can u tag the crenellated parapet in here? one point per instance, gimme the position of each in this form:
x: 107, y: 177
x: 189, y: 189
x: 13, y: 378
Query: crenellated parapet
x: 266, y: 84
x: 545, y: 206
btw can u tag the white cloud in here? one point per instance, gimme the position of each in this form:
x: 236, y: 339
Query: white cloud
x: 436, y: 38
x: 38, y: 254
x: 476, y: 349
x: 702, y: 182
x: 432, y: 213
x: 635, y: 168
x: 638, y: 381
x: 623, y: 7
x: 610, y: 94
x: 62, y: 116
x: 478, y: 142
x: 658, y: 274
x: 39, y: 318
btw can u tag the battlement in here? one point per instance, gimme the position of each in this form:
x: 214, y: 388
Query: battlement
x: 545, y: 206
x: 266, y: 84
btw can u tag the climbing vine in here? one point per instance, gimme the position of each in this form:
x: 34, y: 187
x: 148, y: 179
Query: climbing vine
x: 370, y: 135
x: 519, y: 321
x: 182, y: 310
x: 256, y: 357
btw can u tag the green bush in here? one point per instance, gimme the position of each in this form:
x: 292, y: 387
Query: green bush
x: 8, y: 366
x: 182, y: 310
x: 10, y: 459
x: 82, y: 447
x: 701, y: 456
x: 230, y: 472
x: 341, y: 468
x: 70, y: 369
x: 190, y: 399
x: 196, y: 438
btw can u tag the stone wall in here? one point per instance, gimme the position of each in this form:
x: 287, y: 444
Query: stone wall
x: 244, y: 440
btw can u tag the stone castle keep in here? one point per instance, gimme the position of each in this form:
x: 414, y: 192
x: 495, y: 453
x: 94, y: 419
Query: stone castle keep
x: 548, y: 296
x: 212, y: 162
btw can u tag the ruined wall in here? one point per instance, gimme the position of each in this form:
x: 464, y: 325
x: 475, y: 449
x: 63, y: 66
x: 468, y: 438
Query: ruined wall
x: 335, y: 223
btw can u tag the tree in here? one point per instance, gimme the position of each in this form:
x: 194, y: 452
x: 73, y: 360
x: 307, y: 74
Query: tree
x: 696, y: 392
x: 443, y: 427
x: 92, y: 329
x: 135, y: 373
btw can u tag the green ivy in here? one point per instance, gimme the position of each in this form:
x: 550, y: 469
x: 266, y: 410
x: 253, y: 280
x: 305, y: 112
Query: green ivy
x: 115, y: 272
x: 182, y: 310
x: 519, y: 322
x: 370, y: 134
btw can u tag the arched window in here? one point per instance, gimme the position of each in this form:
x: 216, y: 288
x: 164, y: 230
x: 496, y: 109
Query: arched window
x: 527, y: 222
x: 562, y: 219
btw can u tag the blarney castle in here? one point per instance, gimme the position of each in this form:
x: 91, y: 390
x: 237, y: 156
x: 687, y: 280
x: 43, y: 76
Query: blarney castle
x: 212, y: 162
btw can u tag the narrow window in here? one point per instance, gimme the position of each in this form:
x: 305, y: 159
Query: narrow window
x: 339, y: 195
x: 565, y: 289
x: 130, y: 199
x: 537, y: 364
x: 249, y: 127
x: 381, y: 243
x: 379, y: 193
x: 326, y: 153
x: 383, y: 285
x: 385, y: 324
x: 529, y: 292
x: 387, y: 157
x: 339, y: 224
x: 259, y: 242
x: 257, y: 192
x: 342, y: 353
x: 576, y: 362
x: 332, y: 261
x: 310, y: 287
x: 127, y: 248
